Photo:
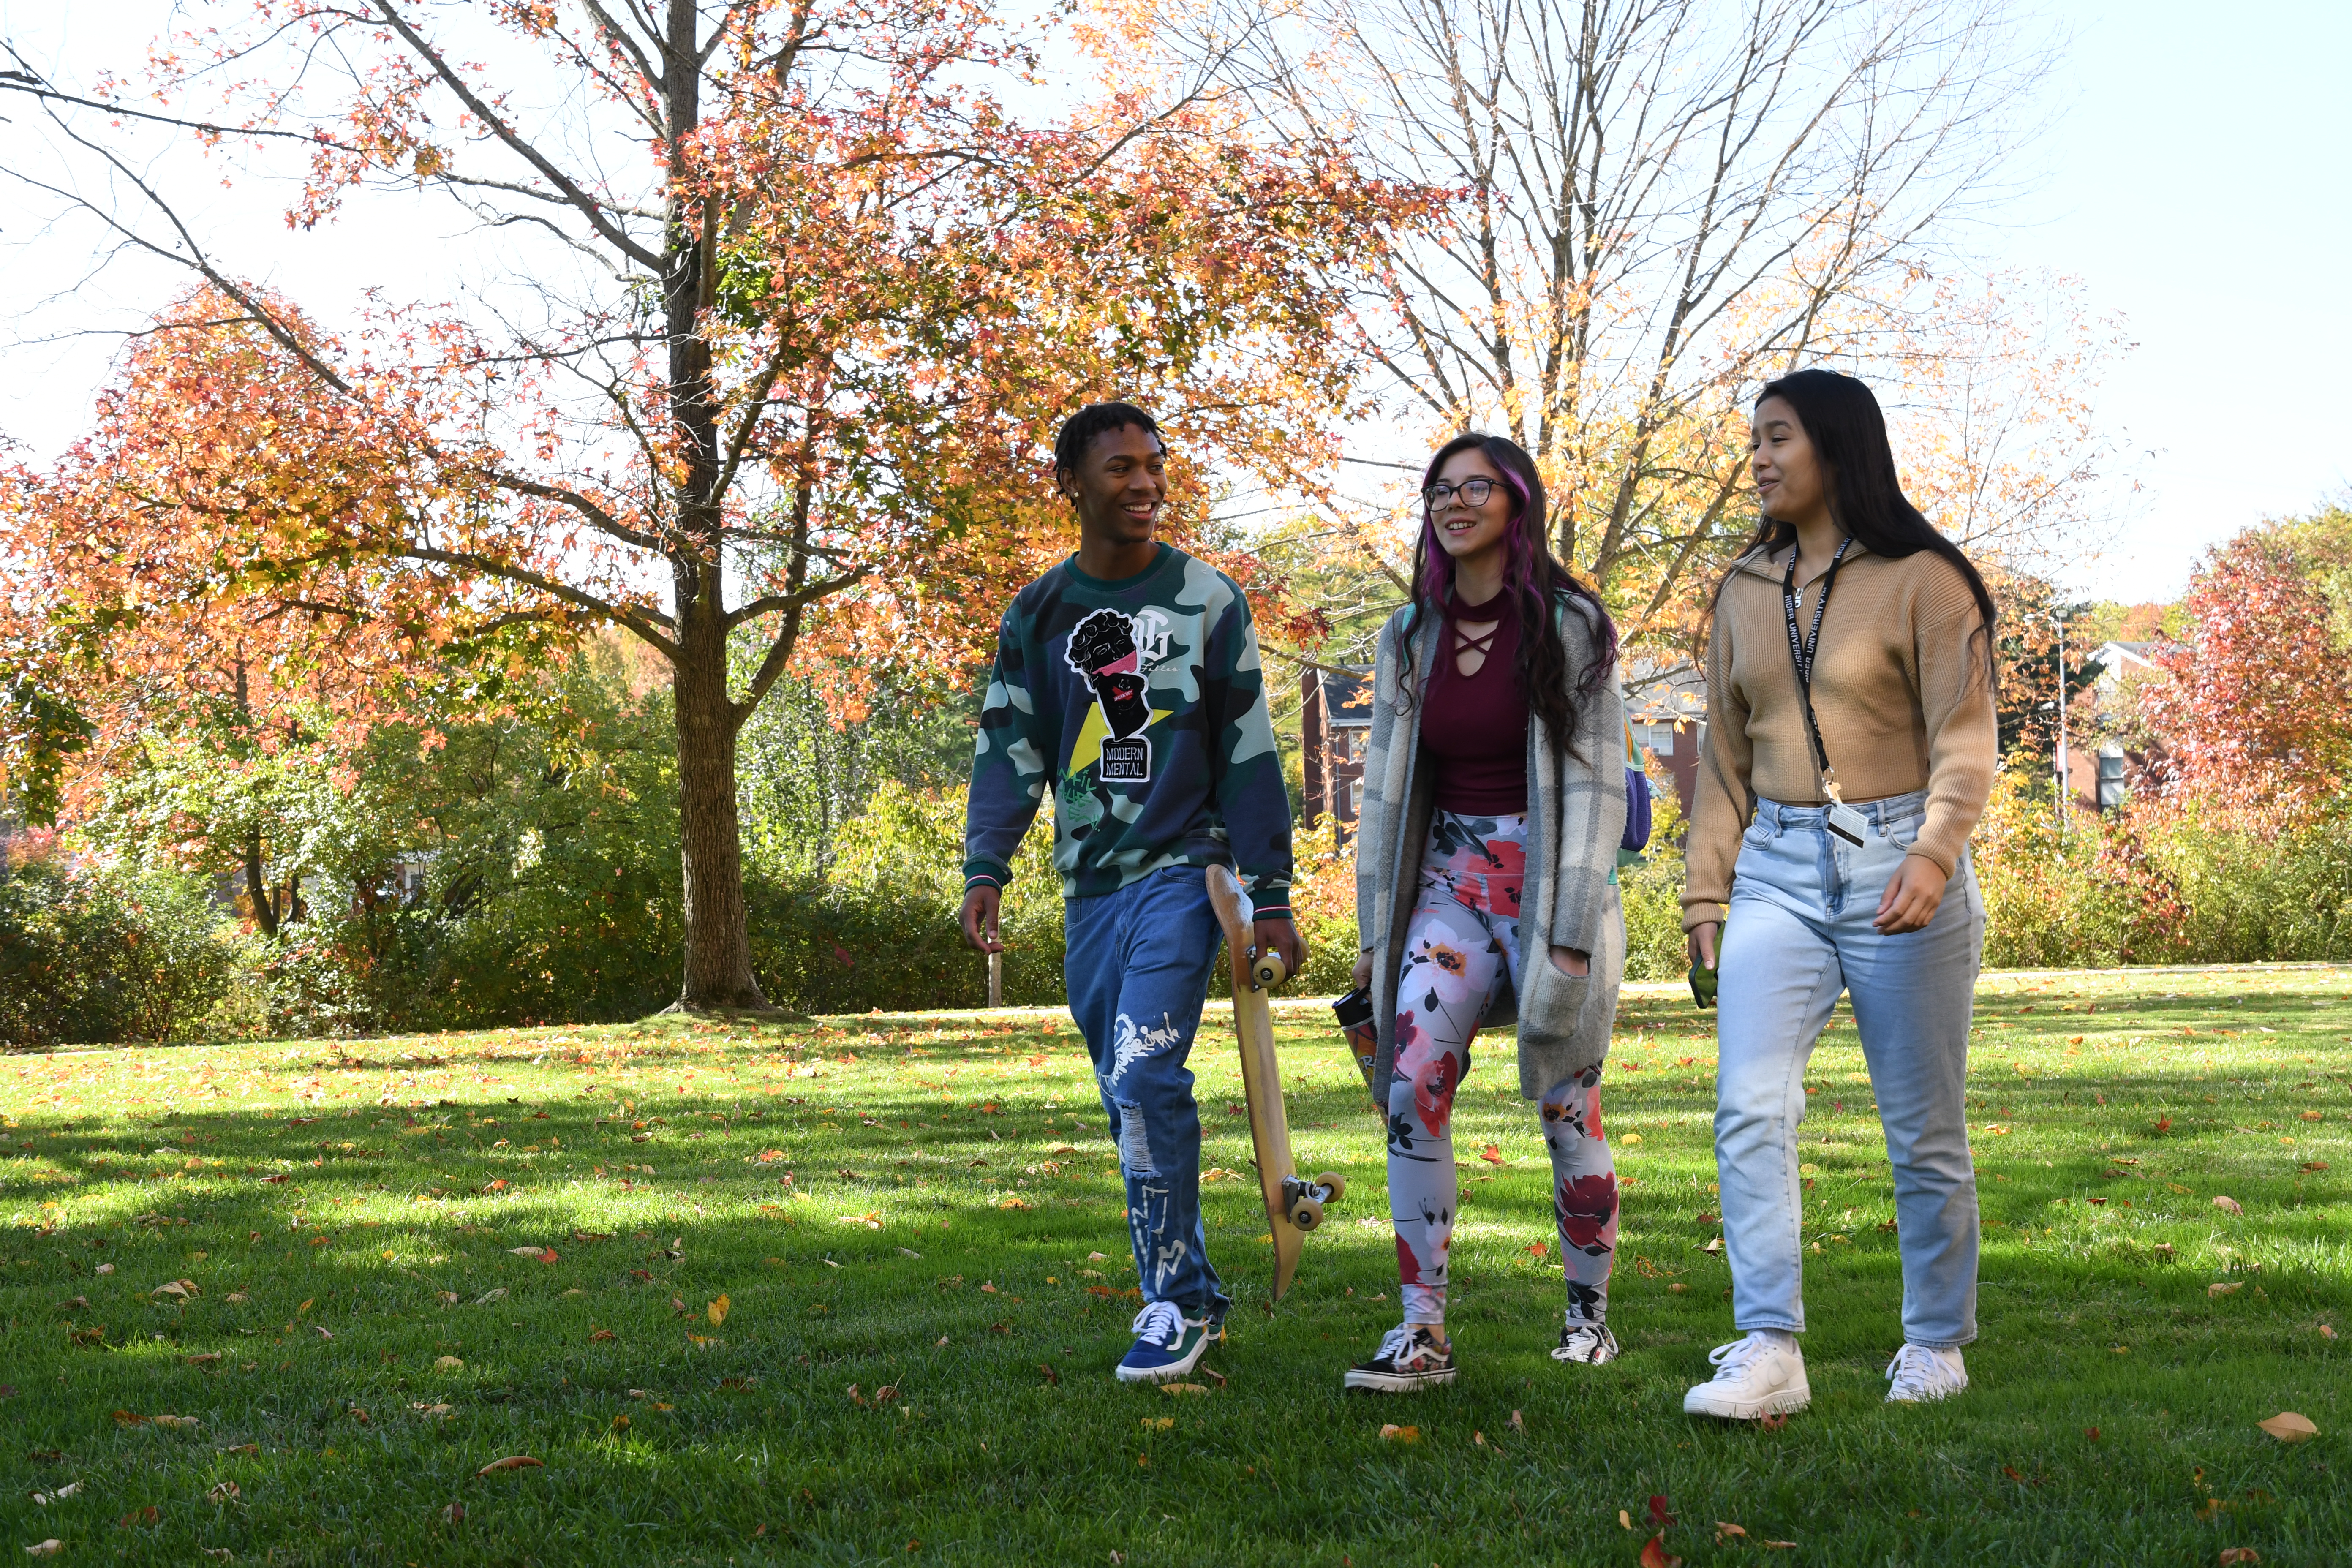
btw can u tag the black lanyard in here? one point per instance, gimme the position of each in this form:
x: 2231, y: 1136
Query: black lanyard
x: 1800, y: 652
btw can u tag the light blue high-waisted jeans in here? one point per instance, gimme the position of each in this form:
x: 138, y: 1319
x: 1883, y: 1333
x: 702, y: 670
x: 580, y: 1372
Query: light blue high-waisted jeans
x: 1799, y: 933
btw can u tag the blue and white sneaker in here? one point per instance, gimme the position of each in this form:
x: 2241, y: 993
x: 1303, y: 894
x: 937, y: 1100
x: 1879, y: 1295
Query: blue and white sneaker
x: 1168, y: 1344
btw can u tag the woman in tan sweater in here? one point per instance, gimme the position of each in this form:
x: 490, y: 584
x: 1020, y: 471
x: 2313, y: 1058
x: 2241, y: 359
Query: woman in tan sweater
x: 1850, y: 746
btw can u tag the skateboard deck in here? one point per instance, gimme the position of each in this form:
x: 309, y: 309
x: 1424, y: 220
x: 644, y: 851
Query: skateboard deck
x: 1293, y: 1207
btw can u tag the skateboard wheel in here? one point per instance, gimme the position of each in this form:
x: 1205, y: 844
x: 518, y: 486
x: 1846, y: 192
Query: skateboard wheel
x: 1268, y: 971
x: 1335, y: 1186
x: 1305, y: 1213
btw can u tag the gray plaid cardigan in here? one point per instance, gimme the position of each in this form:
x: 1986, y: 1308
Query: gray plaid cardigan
x: 1576, y: 818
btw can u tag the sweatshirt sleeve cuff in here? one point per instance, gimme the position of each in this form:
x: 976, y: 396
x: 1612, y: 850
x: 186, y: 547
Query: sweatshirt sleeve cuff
x: 1270, y: 900
x: 1930, y: 846
x: 984, y: 874
x: 1703, y: 912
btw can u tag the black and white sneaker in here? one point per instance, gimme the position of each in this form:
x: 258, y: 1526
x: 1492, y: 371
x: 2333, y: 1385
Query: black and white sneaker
x: 1412, y: 1357
x: 1590, y: 1343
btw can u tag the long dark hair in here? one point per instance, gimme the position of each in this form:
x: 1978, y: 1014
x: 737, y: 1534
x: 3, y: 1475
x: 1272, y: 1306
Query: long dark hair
x: 1533, y: 578
x: 1848, y: 430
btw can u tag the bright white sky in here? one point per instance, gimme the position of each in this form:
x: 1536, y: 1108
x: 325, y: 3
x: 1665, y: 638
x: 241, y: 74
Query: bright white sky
x: 2193, y: 181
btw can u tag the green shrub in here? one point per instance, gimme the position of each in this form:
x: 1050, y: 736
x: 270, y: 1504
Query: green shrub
x: 879, y: 928
x: 95, y: 955
x: 2161, y: 881
x: 1651, y: 890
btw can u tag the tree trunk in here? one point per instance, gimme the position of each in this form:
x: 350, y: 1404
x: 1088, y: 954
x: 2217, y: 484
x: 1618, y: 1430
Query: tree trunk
x: 717, y: 937
x: 717, y: 927
x: 256, y: 887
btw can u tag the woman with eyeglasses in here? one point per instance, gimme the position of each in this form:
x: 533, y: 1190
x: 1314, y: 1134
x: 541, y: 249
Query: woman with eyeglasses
x: 1486, y: 880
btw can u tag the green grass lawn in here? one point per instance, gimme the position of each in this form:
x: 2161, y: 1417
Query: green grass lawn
x: 901, y: 1217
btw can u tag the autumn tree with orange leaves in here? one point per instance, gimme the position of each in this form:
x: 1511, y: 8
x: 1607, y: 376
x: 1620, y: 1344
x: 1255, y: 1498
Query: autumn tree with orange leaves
x: 825, y: 299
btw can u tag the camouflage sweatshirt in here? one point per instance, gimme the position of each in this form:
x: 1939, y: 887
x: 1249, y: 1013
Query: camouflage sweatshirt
x: 1141, y: 705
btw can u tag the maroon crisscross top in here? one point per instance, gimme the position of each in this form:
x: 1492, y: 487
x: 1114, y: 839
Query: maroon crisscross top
x: 1474, y: 727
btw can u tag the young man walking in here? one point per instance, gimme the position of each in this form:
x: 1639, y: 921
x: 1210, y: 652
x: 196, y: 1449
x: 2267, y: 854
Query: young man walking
x: 1127, y: 683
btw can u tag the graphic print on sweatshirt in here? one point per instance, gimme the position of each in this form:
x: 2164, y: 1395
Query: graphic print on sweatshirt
x: 1140, y: 706
x: 1114, y: 655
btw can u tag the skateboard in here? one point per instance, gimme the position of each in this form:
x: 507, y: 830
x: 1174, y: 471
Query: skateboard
x: 1293, y: 1206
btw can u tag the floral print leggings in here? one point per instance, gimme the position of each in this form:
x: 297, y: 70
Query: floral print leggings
x: 1462, y: 942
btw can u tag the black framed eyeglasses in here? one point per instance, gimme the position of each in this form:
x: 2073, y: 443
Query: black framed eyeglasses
x: 1473, y: 493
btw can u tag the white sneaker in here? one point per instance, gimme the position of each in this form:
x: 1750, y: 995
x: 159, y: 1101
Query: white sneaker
x: 1754, y: 1376
x: 1590, y: 1343
x: 1920, y: 1372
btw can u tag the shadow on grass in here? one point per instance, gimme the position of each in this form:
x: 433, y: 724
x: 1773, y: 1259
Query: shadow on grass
x: 863, y: 1395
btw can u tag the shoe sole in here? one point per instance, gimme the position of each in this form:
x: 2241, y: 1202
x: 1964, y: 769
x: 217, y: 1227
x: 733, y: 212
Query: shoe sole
x: 1788, y: 1401
x: 1173, y: 1370
x: 1893, y: 1399
x: 1584, y: 1359
x: 1397, y: 1383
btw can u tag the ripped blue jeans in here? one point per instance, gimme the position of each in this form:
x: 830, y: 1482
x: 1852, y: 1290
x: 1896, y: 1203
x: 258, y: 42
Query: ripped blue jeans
x: 1137, y: 964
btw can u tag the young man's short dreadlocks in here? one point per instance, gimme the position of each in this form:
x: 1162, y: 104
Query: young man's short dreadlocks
x: 1079, y: 430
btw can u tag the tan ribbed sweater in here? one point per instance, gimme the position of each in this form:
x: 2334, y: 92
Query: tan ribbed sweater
x: 1899, y: 685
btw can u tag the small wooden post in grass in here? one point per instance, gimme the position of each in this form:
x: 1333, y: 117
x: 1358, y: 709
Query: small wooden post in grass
x: 996, y: 980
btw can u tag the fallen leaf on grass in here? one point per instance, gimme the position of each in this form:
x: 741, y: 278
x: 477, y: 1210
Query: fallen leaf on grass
x: 537, y: 1254
x: 1156, y: 1423
x: 138, y: 1517
x: 2230, y: 1554
x: 74, y: 1305
x: 1724, y: 1527
x: 1183, y: 1388
x: 219, y: 1553
x: 448, y: 1364
x: 1780, y: 1545
x: 2225, y: 1288
x: 1772, y: 1422
x: 2289, y: 1427
x: 1051, y: 1375
x: 1653, y: 1554
x: 1517, y: 1423
x: 2229, y: 1205
x: 717, y: 1310
x: 178, y: 1289
x: 601, y: 1334
x: 454, y: 1515
x: 204, y: 1358
x: 512, y: 1462
x: 1214, y: 1376
x: 1491, y: 1155
x: 1714, y: 1246
x: 1396, y: 1434
x: 224, y: 1492
x: 484, y: 1300
x: 1658, y: 1514
x: 49, y: 1548
x: 432, y: 1412
x: 43, y: 1500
